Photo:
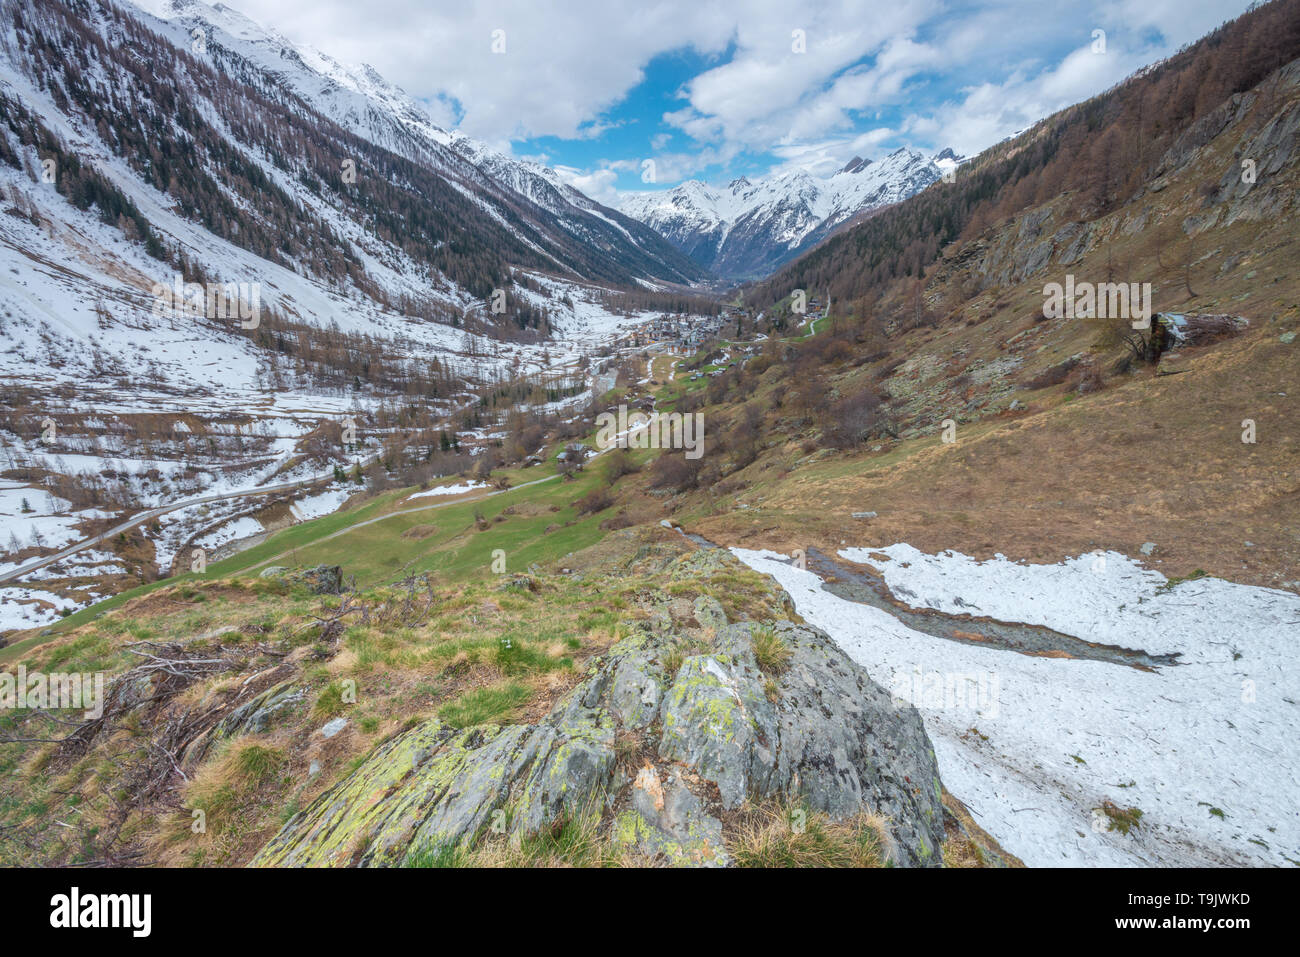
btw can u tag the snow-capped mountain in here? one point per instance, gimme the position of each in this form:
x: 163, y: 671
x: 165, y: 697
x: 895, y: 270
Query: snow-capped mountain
x: 360, y: 100
x: 748, y: 228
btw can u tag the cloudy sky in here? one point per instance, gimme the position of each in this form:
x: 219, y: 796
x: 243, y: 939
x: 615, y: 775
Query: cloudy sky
x: 712, y: 90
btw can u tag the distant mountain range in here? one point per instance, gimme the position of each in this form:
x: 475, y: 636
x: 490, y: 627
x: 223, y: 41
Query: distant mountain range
x: 749, y: 228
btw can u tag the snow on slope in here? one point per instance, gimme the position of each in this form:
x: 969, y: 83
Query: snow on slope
x: 53, y: 276
x: 359, y: 99
x: 82, y: 338
x: 1206, y: 748
x: 75, y: 296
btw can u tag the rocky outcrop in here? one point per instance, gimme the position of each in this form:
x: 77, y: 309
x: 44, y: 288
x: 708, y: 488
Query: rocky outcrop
x: 322, y: 580
x: 662, y: 746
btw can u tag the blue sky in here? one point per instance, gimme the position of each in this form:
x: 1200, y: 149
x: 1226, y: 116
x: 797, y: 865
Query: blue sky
x: 717, y: 90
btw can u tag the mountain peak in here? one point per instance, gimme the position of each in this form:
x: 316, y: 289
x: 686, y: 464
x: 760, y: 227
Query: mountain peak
x: 752, y: 226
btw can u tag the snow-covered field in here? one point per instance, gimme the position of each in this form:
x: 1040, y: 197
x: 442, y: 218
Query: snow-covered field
x: 90, y: 563
x: 30, y: 607
x: 24, y: 607
x: 241, y: 527
x: 1207, y: 749
x: 156, y: 407
x: 448, y: 490
x: 324, y: 503
x: 32, y: 516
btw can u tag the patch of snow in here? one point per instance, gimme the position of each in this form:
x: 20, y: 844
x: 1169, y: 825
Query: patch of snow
x: 1205, y: 748
x: 449, y: 490
x: 324, y: 503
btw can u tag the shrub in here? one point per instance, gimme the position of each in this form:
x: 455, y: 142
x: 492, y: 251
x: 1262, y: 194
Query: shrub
x: 852, y: 419
x: 675, y: 471
x: 618, y: 463
x: 771, y: 651
x: 594, y: 501
x: 1053, y: 376
x: 621, y: 520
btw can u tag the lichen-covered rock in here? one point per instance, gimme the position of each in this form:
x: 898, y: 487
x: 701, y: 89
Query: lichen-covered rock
x: 708, y: 738
x: 709, y: 613
x: 667, y: 820
x: 845, y: 746
x: 635, y: 692
x: 323, y: 579
x: 255, y: 715
x: 717, y: 720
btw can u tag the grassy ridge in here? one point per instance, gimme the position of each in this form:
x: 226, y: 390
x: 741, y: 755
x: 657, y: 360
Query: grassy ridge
x: 377, y: 553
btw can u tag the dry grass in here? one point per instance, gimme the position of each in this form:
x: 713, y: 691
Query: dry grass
x: 480, y: 656
x: 777, y: 835
x: 1148, y: 459
x: 228, y: 808
x: 771, y: 651
x: 576, y: 842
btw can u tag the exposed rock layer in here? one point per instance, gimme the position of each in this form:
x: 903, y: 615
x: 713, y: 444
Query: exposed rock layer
x: 708, y: 739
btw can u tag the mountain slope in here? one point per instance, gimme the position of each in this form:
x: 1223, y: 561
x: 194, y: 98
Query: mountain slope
x: 1119, y: 502
x: 1100, y: 153
x: 749, y: 228
x: 363, y: 102
x: 134, y: 150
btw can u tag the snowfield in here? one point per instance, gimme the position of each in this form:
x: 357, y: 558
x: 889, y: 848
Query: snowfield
x: 24, y: 608
x: 448, y: 490
x: 241, y: 527
x: 325, y: 503
x: 49, y: 523
x: 1206, y: 748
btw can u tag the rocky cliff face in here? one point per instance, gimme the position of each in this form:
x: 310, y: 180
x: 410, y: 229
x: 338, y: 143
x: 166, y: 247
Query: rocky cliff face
x: 663, y: 750
x: 1236, y: 165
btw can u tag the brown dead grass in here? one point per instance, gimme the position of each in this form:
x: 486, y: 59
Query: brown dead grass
x: 419, y: 532
x: 966, y: 844
x: 1149, y: 459
x: 773, y: 835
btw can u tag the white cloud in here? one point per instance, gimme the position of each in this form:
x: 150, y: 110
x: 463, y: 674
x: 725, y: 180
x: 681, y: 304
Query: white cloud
x: 567, y: 63
x: 991, y: 112
x: 563, y: 64
x: 824, y: 157
x: 599, y: 185
x: 767, y: 93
